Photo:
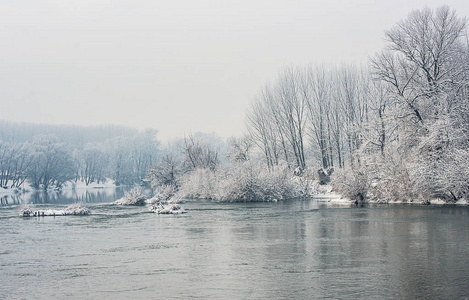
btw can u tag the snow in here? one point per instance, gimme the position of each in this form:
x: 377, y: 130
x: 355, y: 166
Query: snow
x: 437, y: 201
x: 172, y: 200
x: 165, y: 194
x: 166, y: 201
x: 325, y: 193
x: 73, y: 209
x: 170, y: 208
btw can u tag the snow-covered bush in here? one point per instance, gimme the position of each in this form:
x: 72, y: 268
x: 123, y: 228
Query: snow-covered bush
x: 199, y: 184
x: 445, y: 177
x: 250, y: 182
x: 351, y: 183
x: 77, y: 209
x: 171, y: 208
x: 165, y: 194
x: 246, y: 182
x: 305, y: 184
x: 135, y: 196
x: 376, y: 178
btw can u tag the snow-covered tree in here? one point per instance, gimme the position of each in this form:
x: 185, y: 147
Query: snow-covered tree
x: 427, y: 80
x: 168, y: 168
x: 200, y: 151
x: 93, y: 164
x: 51, y: 162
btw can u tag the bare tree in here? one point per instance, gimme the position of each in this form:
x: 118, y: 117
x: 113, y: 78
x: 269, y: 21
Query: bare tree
x: 316, y: 91
x: 419, y: 62
x: 262, y: 131
x: 199, y: 153
x: 239, y: 148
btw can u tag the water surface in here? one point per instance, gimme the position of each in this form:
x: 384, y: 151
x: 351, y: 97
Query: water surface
x: 288, y: 250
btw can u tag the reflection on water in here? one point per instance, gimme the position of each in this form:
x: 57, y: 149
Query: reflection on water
x: 287, y: 250
x: 91, y: 195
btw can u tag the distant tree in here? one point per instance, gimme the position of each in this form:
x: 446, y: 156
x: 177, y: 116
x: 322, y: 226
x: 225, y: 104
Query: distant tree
x: 19, y: 164
x: 131, y: 157
x: 168, y: 167
x: 6, y: 155
x: 51, y: 163
x: 93, y: 162
x: 145, y: 152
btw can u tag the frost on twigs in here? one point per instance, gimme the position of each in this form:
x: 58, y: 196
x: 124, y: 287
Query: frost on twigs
x: 135, y: 196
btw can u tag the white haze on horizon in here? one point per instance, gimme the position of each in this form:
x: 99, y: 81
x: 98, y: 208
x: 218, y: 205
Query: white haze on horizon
x: 177, y: 66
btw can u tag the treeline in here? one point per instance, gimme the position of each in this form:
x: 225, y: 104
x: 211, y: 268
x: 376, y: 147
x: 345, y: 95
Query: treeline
x: 74, y: 136
x: 47, y: 156
x: 394, y: 130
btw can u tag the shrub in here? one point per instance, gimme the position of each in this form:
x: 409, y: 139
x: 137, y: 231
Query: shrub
x: 245, y: 182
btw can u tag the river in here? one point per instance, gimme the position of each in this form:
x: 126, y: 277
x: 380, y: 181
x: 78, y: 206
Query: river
x: 299, y: 249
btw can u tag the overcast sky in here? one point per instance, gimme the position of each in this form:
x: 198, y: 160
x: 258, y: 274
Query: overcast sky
x: 179, y: 66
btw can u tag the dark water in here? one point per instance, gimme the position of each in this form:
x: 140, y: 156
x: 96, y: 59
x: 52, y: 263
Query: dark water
x: 290, y: 250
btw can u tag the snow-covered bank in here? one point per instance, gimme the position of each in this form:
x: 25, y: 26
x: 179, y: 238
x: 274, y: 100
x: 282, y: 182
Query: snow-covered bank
x: 460, y: 202
x: 326, y: 193
x: 74, y: 209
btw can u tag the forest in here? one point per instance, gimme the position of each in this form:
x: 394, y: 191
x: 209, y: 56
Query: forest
x: 48, y: 156
x: 394, y: 129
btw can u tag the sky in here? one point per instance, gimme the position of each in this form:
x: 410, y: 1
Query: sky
x: 178, y: 66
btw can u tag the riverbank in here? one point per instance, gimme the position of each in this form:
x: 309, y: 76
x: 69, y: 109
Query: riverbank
x: 326, y: 193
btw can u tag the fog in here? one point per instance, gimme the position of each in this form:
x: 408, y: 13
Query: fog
x: 176, y: 66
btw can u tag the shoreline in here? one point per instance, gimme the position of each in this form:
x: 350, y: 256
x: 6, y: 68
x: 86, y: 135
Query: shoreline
x: 326, y: 194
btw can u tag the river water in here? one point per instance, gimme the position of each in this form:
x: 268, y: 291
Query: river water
x: 303, y: 249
